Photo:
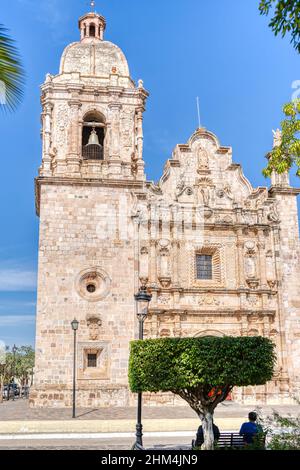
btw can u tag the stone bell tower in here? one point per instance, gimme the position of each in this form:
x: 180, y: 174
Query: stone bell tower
x: 92, y: 168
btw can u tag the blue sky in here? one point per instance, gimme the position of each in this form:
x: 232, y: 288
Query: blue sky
x: 221, y: 51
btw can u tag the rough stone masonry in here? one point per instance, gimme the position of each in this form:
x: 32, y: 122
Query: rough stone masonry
x: 219, y: 256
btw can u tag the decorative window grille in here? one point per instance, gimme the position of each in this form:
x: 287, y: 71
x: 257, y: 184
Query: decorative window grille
x: 204, y: 266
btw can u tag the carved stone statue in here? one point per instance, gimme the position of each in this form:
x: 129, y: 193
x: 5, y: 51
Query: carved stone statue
x: 203, y: 159
x: 250, y: 266
x: 204, y: 193
x: 277, y: 138
x: 273, y: 214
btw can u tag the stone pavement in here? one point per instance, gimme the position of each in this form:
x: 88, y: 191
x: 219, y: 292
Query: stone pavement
x: 95, y: 444
x: 17, y: 418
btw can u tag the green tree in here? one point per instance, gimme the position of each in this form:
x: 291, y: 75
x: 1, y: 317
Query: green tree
x: 284, y: 156
x: 6, y: 372
x: 24, y: 365
x: 286, y: 18
x: 283, y: 431
x: 19, y: 366
x: 202, y: 371
x: 11, y: 73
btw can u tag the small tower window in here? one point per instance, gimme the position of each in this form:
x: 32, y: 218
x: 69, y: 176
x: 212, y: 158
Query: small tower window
x: 92, y: 30
x: 93, y: 135
x: 92, y: 360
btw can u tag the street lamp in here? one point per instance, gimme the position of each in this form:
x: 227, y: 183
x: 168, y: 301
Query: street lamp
x: 142, y: 305
x: 75, y: 325
x: 14, y: 350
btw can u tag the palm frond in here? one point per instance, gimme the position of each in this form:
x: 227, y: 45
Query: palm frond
x: 11, y: 73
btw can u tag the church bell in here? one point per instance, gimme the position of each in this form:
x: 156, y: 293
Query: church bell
x: 93, y: 150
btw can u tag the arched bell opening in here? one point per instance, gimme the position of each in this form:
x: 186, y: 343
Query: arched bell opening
x: 93, y: 137
x: 92, y: 30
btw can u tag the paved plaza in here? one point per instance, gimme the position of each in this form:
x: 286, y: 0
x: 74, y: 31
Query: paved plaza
x: 22, y: 427
x: 19, y: 410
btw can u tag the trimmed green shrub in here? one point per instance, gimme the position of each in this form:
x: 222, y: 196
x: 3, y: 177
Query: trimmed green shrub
x: 202, y: 371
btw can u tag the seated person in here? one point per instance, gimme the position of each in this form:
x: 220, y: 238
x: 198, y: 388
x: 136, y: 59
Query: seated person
x: 250, y: 429
x: 200, y: 436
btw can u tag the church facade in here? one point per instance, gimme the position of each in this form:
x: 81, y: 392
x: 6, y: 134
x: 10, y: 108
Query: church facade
x: 218, y: 256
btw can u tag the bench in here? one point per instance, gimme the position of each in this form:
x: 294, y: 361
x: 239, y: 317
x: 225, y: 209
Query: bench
x: 230, y: 440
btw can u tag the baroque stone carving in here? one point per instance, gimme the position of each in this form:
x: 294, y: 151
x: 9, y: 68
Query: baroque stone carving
x: 94, y: 323
x: 253, y: 300
x: 203, y: 159
x: 209, y: 301
x: 273, y: 214
x: 163, y: 299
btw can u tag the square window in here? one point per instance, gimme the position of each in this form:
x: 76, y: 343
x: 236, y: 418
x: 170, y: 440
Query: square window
x: 92, y: 360
x: 204, y: 265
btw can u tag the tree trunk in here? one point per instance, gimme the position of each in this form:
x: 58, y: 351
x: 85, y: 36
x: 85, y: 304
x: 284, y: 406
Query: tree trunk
x: 208, y: 432
x: 1, y: 392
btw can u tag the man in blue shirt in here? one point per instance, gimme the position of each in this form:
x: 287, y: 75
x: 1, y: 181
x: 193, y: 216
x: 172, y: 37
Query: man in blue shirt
x: 251, y: 429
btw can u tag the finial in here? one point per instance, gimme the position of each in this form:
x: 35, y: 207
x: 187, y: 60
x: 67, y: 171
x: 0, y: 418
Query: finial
x: 198, y: 109
x: 93, y: 5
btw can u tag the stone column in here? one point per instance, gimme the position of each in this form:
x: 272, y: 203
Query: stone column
x: 140, y: 144
x: 262, y: 260
x: 114, y: 150
x: 82, y: 31
x: 175, y: 249
x: 101, y: 32
x: 153, y: 263
x: 46, y: 164
x: 73, y: 158
x: 240, y: 267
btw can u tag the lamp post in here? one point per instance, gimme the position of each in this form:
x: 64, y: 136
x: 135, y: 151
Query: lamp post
x: 75, y: 325
x: 14, y: 350
x: 142, y: 305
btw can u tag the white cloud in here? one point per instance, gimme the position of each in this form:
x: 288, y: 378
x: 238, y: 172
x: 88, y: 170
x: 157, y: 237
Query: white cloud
x: 19, y: 280
x: 16, y: 320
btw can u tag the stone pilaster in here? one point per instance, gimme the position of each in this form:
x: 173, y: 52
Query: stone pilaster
x: 46, y: 169
x: 262, y: 259
x: 74, y: 155
x: 240, y: 260
x: 140, y: 144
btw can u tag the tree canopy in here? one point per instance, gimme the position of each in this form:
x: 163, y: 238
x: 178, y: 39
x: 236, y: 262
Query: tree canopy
x: 173, y: 364
x: 202, y: 371
x: 286, y: 18
x: 11, y: 73
x: 18, y: 366
x: 282, y: 158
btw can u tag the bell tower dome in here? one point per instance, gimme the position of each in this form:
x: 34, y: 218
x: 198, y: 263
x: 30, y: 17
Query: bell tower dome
x: 93, y: 99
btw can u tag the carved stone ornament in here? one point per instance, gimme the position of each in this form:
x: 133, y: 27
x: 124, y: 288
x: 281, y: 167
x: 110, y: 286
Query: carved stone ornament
x: 253, y: 283
x: 93, y: 284
x: 272, y: 284
x: 163, y: 299
x: 250, y: 247
x: 273, y: 214
x: 253, y: 300
x: 94, y: 323
x: 165, y: 281
x: 209, y: 301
